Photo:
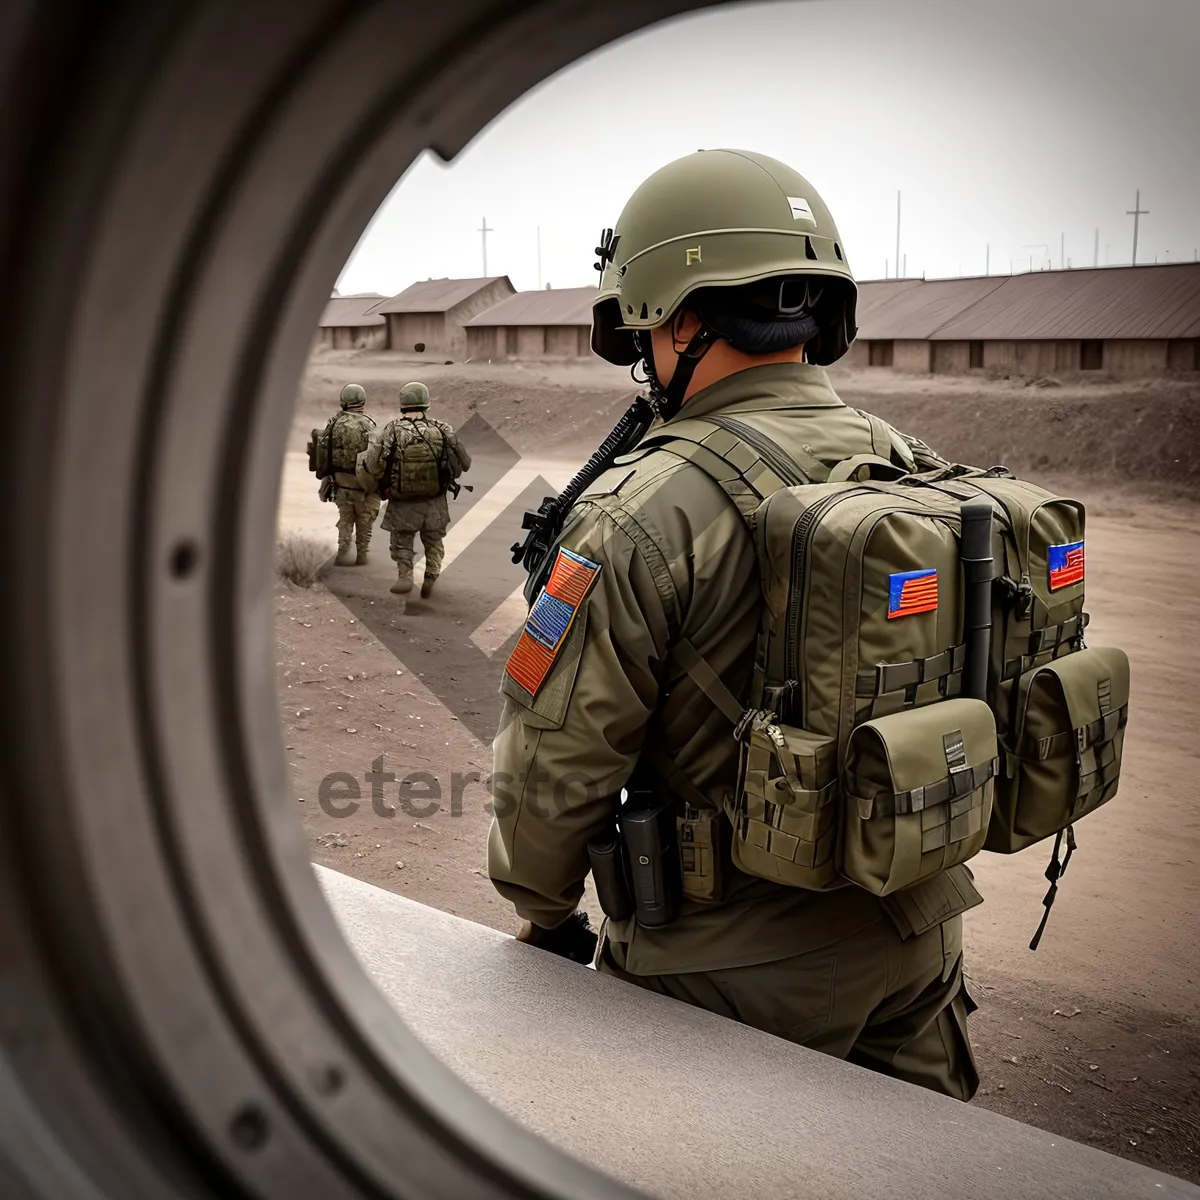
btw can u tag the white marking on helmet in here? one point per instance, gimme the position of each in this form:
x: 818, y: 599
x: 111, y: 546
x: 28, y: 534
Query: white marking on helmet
x: 801, y: 210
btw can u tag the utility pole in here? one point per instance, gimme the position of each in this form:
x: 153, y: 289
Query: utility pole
x: 483, y: 229
x: 1136, y: 212
x: 539, y: 248
x: 904, y: 273
x: 897, y: 233
x: 1062, y: 251
x: 1096, y: 257
x: 987, y: 261
x: 887, y: 266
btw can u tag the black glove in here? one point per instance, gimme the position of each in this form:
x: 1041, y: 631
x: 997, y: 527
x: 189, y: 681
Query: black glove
x: 574, y: 939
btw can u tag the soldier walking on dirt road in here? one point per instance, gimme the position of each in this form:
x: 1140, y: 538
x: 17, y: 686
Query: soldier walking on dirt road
x: 333, y: 455
x: 413, y: 463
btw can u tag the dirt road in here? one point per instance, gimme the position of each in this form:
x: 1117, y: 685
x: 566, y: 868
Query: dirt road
x: 1095, y: 1036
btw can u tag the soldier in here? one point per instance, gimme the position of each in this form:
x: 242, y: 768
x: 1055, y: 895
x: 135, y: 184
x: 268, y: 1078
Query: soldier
x: 727, y: 279
x: 413, y: 463
x: 348, y: 434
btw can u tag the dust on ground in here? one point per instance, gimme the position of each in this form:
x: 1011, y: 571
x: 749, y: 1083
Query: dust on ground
x: 1096, y: 1036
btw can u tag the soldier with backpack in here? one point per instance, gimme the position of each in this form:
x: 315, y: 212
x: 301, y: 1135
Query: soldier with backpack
x: 412, y: 464
x: 333, y: 457
x: 739, y: 697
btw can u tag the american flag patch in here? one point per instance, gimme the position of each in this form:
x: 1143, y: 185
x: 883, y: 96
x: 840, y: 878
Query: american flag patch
x: 911, y: 592
x: 1066, y: 565
x: 550, y: 620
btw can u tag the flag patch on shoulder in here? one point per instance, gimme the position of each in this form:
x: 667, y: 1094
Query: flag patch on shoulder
x: 1066, y: 565
x: 911, y: 592
x: 550, y: 620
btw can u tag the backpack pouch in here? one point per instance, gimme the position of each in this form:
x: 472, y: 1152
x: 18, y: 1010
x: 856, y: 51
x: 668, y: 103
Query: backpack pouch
x: 917, y: 793
x: 1063, y: 757
x: 785, y: 818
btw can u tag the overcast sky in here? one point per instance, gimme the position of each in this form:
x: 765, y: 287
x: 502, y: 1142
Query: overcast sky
x: 1005, y: 123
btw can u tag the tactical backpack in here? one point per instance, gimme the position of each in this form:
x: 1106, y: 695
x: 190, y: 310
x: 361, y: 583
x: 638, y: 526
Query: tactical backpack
x: 418, y: 463
x: 337, y: 446
x: 861, y: 758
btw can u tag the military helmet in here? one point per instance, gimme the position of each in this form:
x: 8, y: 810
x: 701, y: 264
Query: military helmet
x: 414, y: 395
x: 353, y: 396
x: 722, y: 219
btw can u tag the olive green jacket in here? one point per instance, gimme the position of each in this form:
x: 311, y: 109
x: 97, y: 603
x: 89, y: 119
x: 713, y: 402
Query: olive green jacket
x: 676, y: 560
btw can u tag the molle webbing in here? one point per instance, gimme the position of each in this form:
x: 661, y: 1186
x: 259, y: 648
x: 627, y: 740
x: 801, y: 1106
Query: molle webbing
x: 1044, y: 641
x: 896, y: 677
x: 957, y: 784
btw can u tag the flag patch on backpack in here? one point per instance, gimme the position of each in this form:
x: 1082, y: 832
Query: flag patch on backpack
x: 911, y: 592
x: 1066, y: 565
x: 550, y: 620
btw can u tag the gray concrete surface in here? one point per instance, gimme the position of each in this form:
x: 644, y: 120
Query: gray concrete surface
x: 681, y: 1103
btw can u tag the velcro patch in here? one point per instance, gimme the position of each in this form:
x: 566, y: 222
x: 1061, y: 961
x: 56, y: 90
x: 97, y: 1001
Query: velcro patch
x: 911, y: 592
x: 550, y: 620
x: 1066, y: 565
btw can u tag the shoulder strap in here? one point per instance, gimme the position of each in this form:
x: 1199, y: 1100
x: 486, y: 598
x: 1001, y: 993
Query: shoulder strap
x: 881, y: 434
x: 729, y: 459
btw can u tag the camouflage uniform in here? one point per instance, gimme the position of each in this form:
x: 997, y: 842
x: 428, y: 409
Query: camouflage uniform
x: 668, y: 561
x: 351, y: 431
x: 428, y: 515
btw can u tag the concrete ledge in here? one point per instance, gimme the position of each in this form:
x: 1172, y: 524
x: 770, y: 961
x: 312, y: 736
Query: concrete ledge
x: 682, y: 1103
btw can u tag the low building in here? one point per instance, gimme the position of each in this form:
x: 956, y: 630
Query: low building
x: 429, y: 317
x: 348, y: 324
x: 553, y: 323
x: 1123, y: 321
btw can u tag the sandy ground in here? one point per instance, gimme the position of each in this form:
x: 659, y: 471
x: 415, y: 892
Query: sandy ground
x: 1096, y: 1035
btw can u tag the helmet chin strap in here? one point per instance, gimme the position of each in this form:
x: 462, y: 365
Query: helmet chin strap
x: 668, y: 400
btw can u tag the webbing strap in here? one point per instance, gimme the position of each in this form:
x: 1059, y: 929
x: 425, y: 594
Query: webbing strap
x: 957, y: 783
x: 665, y: 766
x: 881, y: 435
x: 726, y: 476
x: 1054, y: 872
x: 1086, y: 736
x: 895, y: 677
x: 707, y: 680
x: 1046, y: 641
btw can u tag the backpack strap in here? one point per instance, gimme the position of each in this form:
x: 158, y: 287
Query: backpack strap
x: 734, y: 465
x: 881, y: 434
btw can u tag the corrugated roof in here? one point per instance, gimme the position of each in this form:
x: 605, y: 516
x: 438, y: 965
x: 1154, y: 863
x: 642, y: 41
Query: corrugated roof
x: 436, y: 295
x: 1161, y: 301
x: 351, y: 311
x: 551, y: 306
x: 907, y: 308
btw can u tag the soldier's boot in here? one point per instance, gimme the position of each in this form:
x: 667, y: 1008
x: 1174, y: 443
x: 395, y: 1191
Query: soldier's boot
x: 427, y: 586
x: 404, y: 582
x: 343, y: 555
x: 361, y: 559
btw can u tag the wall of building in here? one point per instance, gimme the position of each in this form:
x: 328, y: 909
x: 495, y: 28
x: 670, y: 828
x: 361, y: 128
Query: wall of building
x: 355, y: 337
x: 1183, y: 354
x: 528, y: 341
x: 454, y: 335
x: 562, y: 341
x: 408, y: 330
x: 485, y: 342
x: 911, y: 357
x: 856, y: 356
x: 950, y: 358
x: 1136, y: 357
x: 1131, y: 357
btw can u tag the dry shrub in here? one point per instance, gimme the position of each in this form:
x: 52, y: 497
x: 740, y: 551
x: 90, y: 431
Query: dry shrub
x: 301, y: 560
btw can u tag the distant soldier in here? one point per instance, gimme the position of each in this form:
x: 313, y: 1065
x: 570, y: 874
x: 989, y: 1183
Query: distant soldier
x: 333, y: 456
x: 413, y: 463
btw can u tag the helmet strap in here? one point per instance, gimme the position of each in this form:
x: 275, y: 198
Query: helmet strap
x: 668, y: 400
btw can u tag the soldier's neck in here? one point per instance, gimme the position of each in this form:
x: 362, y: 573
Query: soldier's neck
x: 722, y: 360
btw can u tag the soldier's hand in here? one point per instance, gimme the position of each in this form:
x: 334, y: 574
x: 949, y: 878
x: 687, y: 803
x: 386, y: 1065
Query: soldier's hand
x: 574, y: 939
